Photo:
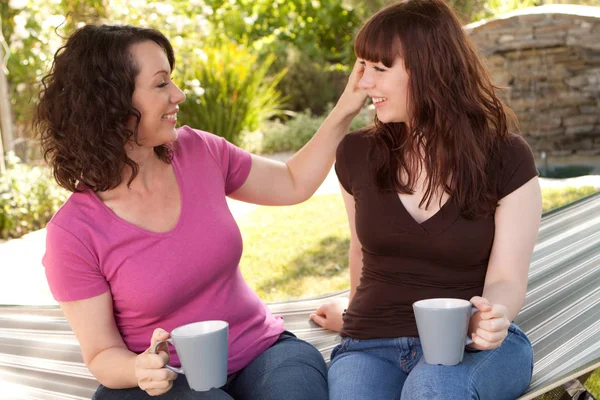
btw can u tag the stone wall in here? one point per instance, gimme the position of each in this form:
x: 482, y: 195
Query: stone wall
x: 549, y: 59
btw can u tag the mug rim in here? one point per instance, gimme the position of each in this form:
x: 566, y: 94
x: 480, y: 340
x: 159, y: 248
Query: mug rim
x: 223, y: 325
x: 422, y: 303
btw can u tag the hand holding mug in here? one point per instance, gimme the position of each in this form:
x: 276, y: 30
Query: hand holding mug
x: 489, y: 327
x: 149, y: 371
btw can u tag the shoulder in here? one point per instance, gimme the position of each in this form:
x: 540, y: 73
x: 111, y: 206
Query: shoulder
x: 189, y: 138
x: 515, y: 148
x: 515, y: 164
x: 79, y: 208
x: 355, y: 144
x: 193, y: 144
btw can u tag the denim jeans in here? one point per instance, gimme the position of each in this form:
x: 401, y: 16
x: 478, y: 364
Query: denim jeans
x: 395, y: 369
x: 290, y: 369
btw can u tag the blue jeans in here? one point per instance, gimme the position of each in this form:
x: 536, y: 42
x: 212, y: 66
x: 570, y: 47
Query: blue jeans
x: 290, y: 369
x: 395, y: 369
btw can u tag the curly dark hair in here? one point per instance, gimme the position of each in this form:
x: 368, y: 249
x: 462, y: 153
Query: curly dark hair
x: 85, y: 103
x: 455, y: 114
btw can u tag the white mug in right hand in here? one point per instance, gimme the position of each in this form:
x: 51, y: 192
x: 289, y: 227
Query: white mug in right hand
x: 443, y: 324
x: 202, y: 348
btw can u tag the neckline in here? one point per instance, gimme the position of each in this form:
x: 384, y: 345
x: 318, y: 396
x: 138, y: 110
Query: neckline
x: 403, y: 206
x: 120, y: 220
x: 399, y: 215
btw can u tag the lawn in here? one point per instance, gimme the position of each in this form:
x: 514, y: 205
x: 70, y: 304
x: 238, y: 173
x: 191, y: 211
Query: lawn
x: 301, y: 251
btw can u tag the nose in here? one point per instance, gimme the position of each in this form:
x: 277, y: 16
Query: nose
x: 177, y: 96
x: 366, y: 81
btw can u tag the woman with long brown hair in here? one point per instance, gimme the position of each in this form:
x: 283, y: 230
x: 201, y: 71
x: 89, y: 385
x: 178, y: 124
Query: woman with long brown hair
x: 443, y: 201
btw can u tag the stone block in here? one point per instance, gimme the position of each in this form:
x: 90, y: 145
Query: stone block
x: 501, y: 24
x: 579, y: 129
x: 589, y: 153
x: 495, y: 61
x: 561, y: 28
x: 585, y: 119
x: 590, y: 110
x: 561, y: 153
x: 577, y: 81
x: 564, y: 112
x: 550, y: 133
x: 574, y: 98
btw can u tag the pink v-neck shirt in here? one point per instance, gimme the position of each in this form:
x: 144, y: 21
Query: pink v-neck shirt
x: 164, y: 280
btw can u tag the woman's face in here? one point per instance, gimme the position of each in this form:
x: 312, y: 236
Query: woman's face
x: 155, y: 95
x: 388, y: 89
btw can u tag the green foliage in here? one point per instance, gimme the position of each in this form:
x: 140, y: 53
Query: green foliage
x: 321, y: 28
x: 277, y: 136
x: 556, y: 197
x: 236, y: 93
x: 29, y: 197
x: 309, y: 83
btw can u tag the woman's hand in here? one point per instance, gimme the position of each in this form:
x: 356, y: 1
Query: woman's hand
x: 329, y: 315
x: 149, y: 371
x: 489, y: 327
x: 353, y: 98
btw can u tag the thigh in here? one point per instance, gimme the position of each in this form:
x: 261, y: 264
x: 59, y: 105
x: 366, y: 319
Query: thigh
x: 180, y: 391
x: 359, y: 375
x: 503, y: 373
x: 291, y: 369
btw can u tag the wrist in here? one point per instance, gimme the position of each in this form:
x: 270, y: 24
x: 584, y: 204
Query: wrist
x: 344, y: 113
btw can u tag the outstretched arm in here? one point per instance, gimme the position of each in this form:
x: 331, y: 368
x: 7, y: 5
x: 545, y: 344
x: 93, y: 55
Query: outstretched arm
x: 276, y: 183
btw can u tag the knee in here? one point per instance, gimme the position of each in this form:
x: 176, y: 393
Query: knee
x: 304, y: 355
x: 436, y: 382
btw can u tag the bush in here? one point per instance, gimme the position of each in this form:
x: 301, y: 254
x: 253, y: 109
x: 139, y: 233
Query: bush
x: 309, y: 83
x: 228, y: 91
x: 29, y: 197
x: 276, y: 136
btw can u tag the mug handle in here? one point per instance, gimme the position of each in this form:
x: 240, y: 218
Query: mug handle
x: 167, y: 366
x: 473, y: 311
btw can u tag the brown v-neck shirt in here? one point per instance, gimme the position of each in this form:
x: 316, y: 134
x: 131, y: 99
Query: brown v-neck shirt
x: 404, y: 261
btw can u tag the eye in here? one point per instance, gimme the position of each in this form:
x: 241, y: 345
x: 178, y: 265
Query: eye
x: 162, y: 85
x: 378, y: 69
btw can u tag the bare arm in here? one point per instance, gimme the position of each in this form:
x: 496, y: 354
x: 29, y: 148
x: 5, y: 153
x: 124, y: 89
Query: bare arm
x: 277, y: 183
x: 106, y: 355
x: 329, y: 315
x: 355, y: 263
x: 517, y: 221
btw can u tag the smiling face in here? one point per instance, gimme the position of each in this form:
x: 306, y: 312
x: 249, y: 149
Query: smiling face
x: 155, y: 96
x: 388, y: 89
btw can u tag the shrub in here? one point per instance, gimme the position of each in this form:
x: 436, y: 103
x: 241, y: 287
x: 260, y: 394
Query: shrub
x: 309, y: 83
x: 228, y: 91
x: 277, y: 136
x: 29, y: 197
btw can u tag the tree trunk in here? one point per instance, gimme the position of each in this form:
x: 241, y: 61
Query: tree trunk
x: 5, y: 115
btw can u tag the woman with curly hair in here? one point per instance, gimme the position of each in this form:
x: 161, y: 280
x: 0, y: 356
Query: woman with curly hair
x: 443, y: 201
x: 146, y: 241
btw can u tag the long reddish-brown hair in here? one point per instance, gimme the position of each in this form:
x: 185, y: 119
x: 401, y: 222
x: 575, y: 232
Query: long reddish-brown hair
x: 456, y: 120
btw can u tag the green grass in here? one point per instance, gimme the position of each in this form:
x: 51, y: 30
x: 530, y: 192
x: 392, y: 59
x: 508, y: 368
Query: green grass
x: 556, y: 197
x: 593, y: 384
x: 296, y: 251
